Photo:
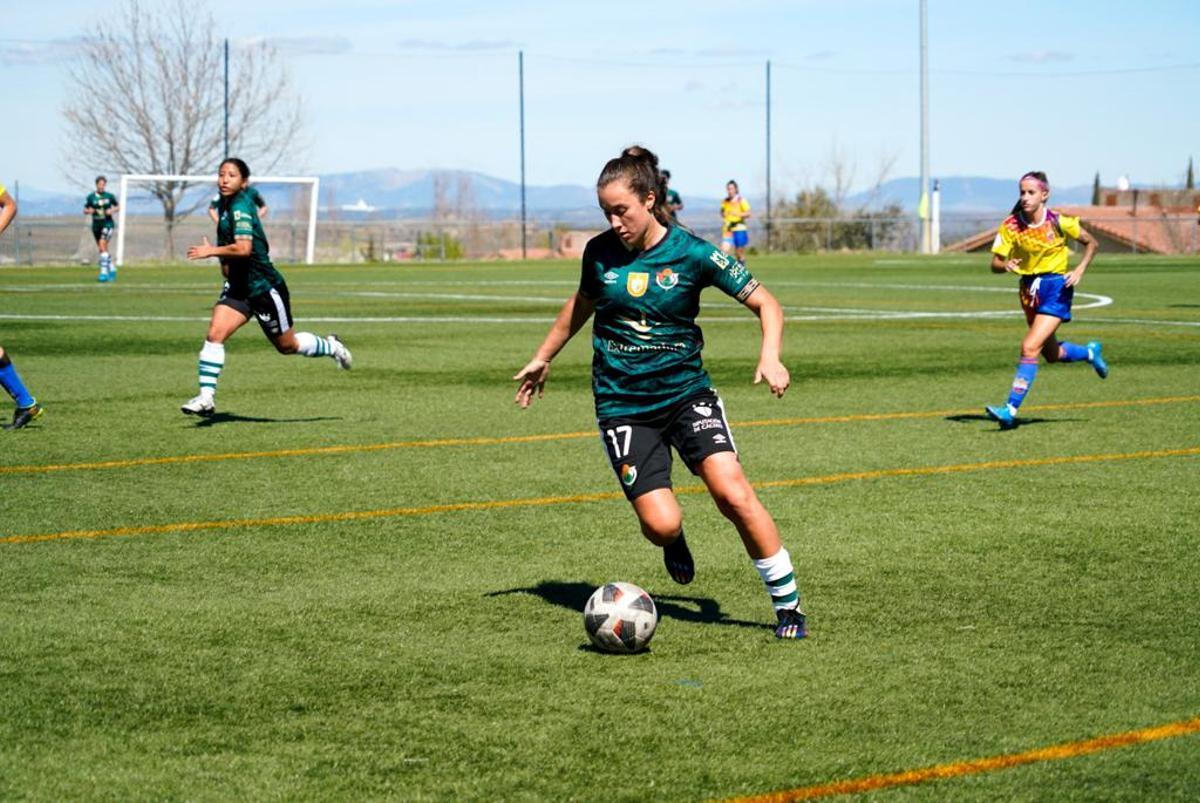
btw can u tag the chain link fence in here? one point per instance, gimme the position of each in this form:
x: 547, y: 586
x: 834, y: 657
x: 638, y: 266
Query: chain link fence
x: 63, y: 241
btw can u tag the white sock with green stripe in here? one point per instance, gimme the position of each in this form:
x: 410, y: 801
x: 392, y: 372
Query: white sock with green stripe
x: 212, y: 360
x: 312, y: 346
x: 780, y: 579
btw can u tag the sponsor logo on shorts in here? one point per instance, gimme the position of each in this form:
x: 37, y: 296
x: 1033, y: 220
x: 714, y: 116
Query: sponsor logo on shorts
x: 628, y: 474
x: 263, y: 316
x: 707, y: 423
x: 719, y: 438
x: 666, y: 278
x: 702, y: 409
x: 637, y: 283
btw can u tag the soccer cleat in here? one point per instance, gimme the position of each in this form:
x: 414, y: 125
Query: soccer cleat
x: 678, y: 560
x: 791, y: 623
x: 23, y: 415
x: 201, y: 405
x: 1003, y: 414
x: 1097, y: 360
x: 341, y: 354
x: 103, y: 277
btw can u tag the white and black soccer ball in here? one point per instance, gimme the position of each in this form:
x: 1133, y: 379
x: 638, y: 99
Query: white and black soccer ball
x: 620, y: 617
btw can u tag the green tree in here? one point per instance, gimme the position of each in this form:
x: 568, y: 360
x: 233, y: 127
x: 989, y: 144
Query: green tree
x: 1191, y: 176
x: 1096, y: 190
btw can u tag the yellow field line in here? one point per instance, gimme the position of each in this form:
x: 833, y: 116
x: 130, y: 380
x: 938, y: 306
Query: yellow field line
x: 939, y: 772
x: 559, y: 436
x: 396, y: 512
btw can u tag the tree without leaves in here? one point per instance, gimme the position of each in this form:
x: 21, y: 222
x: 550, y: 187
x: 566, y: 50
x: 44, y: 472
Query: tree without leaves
x: 147, y: 96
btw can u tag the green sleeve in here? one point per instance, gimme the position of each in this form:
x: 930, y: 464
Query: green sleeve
x: 724, y: 272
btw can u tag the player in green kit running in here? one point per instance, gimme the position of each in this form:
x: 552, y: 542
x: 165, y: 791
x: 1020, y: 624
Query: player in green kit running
x: 101, y: 206
x: 643, y: 279
x: 253, y: 288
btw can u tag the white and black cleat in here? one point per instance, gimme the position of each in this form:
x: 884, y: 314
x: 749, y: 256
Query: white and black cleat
x: 341, y: 354
x: 201, y: 405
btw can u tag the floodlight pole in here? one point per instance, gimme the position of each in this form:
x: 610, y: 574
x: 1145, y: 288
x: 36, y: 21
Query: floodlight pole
x: 768, y: 219
x: 924, y: 199
x: 227, y: 98
x: 521, y: 101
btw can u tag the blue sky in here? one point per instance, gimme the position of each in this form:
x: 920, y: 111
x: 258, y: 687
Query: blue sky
x: 1066, y: 86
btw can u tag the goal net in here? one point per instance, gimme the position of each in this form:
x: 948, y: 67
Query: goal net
x: 291, y: 224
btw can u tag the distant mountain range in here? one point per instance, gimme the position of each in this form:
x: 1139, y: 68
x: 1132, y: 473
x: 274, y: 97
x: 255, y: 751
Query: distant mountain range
x: 393, y: 193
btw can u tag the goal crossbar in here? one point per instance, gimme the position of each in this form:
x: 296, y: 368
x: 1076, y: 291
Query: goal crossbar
x: 310, y: 243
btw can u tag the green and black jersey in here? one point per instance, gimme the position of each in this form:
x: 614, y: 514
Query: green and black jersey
x: 645, y: 338
x: 102, y: 205
x: 254, y: 274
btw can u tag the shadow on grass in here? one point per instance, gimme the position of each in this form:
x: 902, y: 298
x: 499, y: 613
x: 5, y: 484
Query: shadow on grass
x: 574, y: 596
x: 234, y: 418
x: 967, y: 418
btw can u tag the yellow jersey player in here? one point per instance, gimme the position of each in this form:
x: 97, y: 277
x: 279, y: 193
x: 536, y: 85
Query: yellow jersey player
x: 1032, y: 243
x: 27, y: 407
x: 735, y: 211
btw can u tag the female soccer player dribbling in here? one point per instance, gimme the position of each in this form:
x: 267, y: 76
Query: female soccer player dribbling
x: 252, y: 287
x: 642, y: 279
x: 1032, y: 242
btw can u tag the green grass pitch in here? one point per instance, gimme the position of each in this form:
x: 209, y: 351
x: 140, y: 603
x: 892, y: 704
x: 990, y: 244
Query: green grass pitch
x: 433, y: 653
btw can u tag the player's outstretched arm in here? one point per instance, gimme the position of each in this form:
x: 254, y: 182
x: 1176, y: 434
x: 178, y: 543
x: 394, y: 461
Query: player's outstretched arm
x: 241, y: 247
x: 570, y: 319
x: 770, y: 316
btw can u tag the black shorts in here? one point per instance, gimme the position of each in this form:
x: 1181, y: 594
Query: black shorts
x: 273, y: 309
x: 102, y: 230
x: 640, y: 448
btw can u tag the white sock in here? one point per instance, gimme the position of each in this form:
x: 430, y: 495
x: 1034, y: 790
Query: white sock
x: 312, y: 346
x: 212, y: 360
x: 780, y: 579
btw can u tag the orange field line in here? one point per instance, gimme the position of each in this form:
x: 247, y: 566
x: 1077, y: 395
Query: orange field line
x: 559, y: 436
x: 396, y: 512
x: 939, y: 772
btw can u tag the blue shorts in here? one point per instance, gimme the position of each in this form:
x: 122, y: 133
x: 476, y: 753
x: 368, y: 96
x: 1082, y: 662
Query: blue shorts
x: 740, y: 238
x: 1047, y: 294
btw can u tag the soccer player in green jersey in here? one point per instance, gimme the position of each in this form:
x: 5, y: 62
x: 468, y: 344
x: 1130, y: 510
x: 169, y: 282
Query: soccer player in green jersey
x: 101, y: 205
x: 27, y: 407
x: 643, y: 279
x: 674, y: 202
x: 253, y: 287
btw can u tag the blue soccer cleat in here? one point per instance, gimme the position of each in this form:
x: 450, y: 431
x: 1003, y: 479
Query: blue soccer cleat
x: 1097, y: 360
x: 1003, y: 414
x: 792, y: 624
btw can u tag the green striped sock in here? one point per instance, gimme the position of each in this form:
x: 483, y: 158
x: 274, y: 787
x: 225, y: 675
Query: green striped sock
x: 212, y: 360
x: 780, y: 579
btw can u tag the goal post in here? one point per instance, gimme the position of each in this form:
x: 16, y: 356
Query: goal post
x: 314, y: 183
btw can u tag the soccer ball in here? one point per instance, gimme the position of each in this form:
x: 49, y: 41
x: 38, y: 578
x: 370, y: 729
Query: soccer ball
x: 620, y: 617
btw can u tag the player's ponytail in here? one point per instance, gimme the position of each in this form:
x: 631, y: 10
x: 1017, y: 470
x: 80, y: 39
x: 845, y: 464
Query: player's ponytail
x: 638, y: 167
x: 1038, y: 176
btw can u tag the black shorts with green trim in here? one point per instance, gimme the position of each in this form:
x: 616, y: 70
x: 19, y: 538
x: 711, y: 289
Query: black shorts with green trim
x: 639, y: 449
x: 273, y: 309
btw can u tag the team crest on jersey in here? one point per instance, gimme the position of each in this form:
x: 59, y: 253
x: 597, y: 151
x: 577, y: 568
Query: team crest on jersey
x: 666, y: 278
x: 637, y: 283
x: 628, y: 474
